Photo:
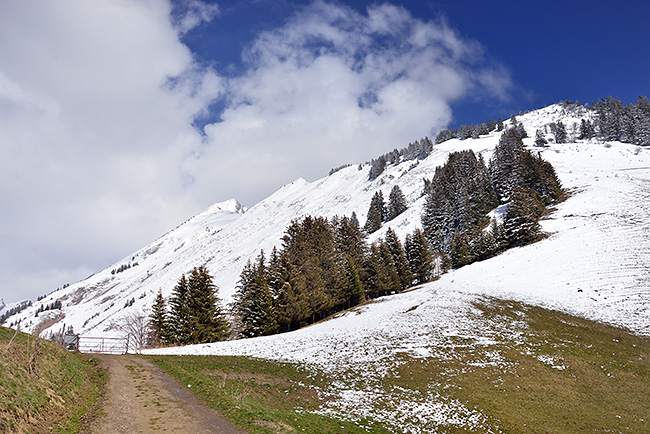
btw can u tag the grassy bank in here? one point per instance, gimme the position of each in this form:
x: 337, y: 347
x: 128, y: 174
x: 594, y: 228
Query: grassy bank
x: 548, y: 372
x: 43, y: 387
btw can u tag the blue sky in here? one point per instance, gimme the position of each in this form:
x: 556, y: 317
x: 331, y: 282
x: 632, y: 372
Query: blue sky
x: 119, y: 119
x: 553, y: 50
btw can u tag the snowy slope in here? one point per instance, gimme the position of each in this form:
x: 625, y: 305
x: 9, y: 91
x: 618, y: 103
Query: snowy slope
x: 598, y: 242
x: 595, y: 263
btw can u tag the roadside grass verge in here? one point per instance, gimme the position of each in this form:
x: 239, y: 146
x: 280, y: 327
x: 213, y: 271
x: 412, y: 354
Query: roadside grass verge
x: 538, y: 371
x: 43, y: 387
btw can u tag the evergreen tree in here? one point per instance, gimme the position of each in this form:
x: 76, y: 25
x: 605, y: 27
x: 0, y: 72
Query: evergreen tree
x: 376, y: 213
x: 419, y: 256
x: 443, y: 136
x: 396, y: 203
x: 353, y: 292
x: 290, y: 300
x: 459, y: 252
x: 587, y: 131
x: 383, y: 277
x: 399, y: 259
x: 500, y: 124
x: 180, y: 324
x: 560, y: 133
x: 309, y: 246
x: 521, y: 222
x: 377, y: 168
x: 208, y: 322
x: 159, y: 322
x: 521, y: 130
x: 349, y: 240
x: 457, y: 199
x: 253, y: 301
x: 540, y: 140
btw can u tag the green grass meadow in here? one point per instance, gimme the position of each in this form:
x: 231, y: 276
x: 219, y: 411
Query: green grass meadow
x: 560, y: 375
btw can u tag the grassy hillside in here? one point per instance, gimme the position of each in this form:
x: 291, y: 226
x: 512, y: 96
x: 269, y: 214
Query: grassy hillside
x: 556, y: 373
x: 43, y: 387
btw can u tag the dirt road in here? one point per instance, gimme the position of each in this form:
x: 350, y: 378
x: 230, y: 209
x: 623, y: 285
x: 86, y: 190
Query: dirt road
x: 141, y: 398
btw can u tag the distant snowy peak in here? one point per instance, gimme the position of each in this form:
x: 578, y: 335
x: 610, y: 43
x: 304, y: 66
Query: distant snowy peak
x: 231, y: 205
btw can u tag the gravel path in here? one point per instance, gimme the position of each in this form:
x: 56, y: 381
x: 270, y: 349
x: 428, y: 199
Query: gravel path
x: 141, y: 398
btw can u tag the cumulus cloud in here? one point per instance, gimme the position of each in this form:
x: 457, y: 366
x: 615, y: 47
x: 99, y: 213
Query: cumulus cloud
x: 334, y: 86
x: 98, y: 152
x: 96, y: 105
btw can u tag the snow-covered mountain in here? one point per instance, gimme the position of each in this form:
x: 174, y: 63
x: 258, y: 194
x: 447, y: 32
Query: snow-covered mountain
x: 595, y: 263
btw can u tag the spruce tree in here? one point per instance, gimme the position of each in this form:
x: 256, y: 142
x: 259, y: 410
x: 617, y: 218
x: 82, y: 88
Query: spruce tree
x: 159, y: 322
x: 253, y: 301
x: 180, y: 323
x: 560, y: 133
x: 586, y: 130
x: 419, y: 256
x: 521, y: 222
x: 459, y: 252
x: 396, y: 203
x: 289, y: 297
x: 376, y: 213
x: 209, y: 323
x: 399, y: 259
x: 349, y: 240
x: 353, y: 293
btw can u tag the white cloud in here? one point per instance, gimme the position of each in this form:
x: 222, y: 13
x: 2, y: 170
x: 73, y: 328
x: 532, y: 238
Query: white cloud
x: 98, y: 155
x: 191, y: 13
x: 93, y: 133
x: 335, y: 86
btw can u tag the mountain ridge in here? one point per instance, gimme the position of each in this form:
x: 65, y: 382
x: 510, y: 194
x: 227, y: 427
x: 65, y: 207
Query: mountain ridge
x: 223, y: 238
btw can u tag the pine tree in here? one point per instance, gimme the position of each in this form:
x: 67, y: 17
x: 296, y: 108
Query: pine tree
x: 459, y: 252
x: 396, y: 203
x: 353, y: 293
x: 521, y: 130
x: 290, y: 300
x: 540, y: 140
x: 560, y: 133
x: 209, y: 323
x: 377, y: 168
x: 253, y: 301
x: 399, y: 259
x: 382, y: 276
x: 458, y: 199
x: 180, y: 324
x: 521, y: 222
x: 159, y: 322
x: 419, y: 256
x: 349, y: 240
x: 376, y: 213
x: 586, y: 130
x: 500, y: 124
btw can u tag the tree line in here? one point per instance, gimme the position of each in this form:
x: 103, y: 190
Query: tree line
x: 325, y: 266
